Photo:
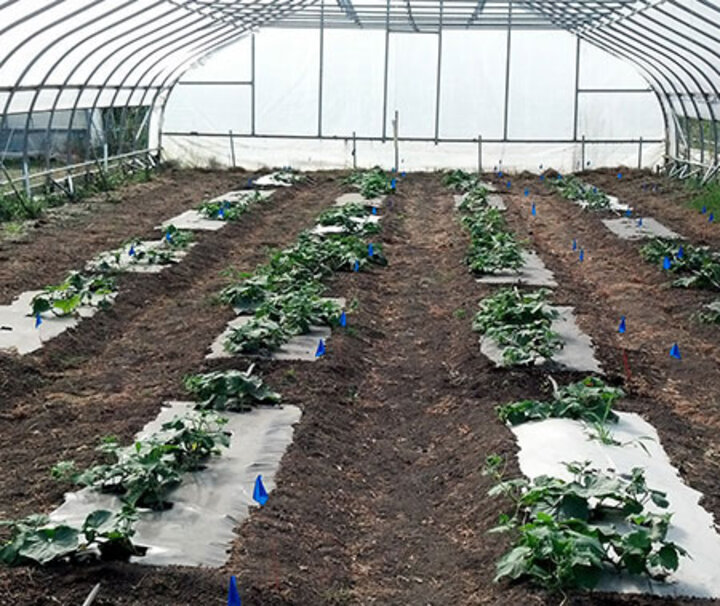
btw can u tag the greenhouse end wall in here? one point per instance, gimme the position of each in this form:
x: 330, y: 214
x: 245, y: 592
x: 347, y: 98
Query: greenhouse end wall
x: 307, y: 98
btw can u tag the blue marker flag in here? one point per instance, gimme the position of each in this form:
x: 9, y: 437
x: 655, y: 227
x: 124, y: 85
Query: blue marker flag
x: 680, y: 252
x: 259, y: 493
x: 343, y: 320
x: 574, y: 244
x: 356, y: 266
x: 533, y: 210
x: 221, y: 213
x: 500, y: 174
x: 38, y: 320
x: 666, y: 263
x: 622, y: 327
x: 168, y: 236
x: 233, y: 595
x: 704, y: 210
x: 581, y: 256
x: 131, y: 252
x: 619, y: 175
x: 526, y: 192
x: 393, y: 182
x: 249, y: 182
x: 371, y: 250
x: 509, y: 184
x: 711, y: 217
x: 675, y: 352
x: 320, y: 351
x: 639, y: 222
x: 374, y: 210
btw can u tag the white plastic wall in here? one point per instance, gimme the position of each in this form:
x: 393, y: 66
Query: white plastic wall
x: 290, y: 102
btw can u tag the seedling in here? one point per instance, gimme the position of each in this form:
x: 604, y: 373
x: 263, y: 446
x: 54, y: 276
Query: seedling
x: 566, y: 534
x: 589, y: 400
x: 103, y: 534
x: 259, y: 336
x: 460, y: 180
x: 230, y: 390
x: 573, y: 188
x: 520, y: 324
x: 76, y: 290
x: 371, y: 183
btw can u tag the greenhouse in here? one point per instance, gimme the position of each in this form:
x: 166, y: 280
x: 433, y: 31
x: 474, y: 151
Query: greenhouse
x: 354, y: 302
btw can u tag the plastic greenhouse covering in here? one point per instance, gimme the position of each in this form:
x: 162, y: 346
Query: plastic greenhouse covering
x: 567, y: 83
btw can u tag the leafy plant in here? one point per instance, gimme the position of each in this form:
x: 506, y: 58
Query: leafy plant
x: 230, y: 390
x: 145, y: 472
x: 711, y: 315
x: 288, y: 175
x: 38, y: 540
x: 76, y: 290
x: 296, y: 311
x: 520, y: 324
x: 589, y: 400
x: 492, y: 246
x: 573, y: 188
x: 371, y: 183
x: 566, y: 534
x: 460, y: 180
x: 698, y: 266
x: 351, y: 218
x: 474, y: 200
x: 259, y: 336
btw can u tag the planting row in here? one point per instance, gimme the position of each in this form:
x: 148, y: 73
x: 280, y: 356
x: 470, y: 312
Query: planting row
x: 37, y: 316
x: 162, y: 471
x: 577, y: 524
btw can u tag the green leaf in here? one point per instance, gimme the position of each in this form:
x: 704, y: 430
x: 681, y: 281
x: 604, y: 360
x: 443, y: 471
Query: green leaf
x: 48, y: 544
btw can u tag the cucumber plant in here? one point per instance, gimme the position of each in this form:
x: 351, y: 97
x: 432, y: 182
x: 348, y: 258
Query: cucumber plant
x: 588, y: 400
x: 460, y: 180
x: 38, y: 540
x: 145, y: 472
x: 76, y: 290
x: 521, y: 325
x: 573, y: 188
x: 695, y: 266
x: 258, y: 336
x: 233, y: 390
x: 350, y: 218
x: 371, y: 183
x: 567, y: 533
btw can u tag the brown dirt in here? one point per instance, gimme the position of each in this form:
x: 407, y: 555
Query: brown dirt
x: 380, y: 498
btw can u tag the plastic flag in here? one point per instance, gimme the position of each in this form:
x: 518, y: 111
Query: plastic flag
x: 403, y: 174
x: 581, y: 256
x: 574, y: 244
x: 666, y: 263
x: 639, y: 222
x: 320, y: 351
x: 371, y: 250
x: 526, y: 193
x: 681, y: 253
x: 628, y: 212
x: 356, y: 266
x: 542, y: 177
x: 233, y: 595
x: 343, y: 320
x: 221, y: 213
x: 168, y: 236
x: 711, y: 217
x: 260, y: 495
x: 249, y: 182
x: 619, y: 175
x: 533, y: 210
x: 374, y: 210
x: 131, y: 252
x: 622, y: 328
x: 393, y: 182
x: 509, y: 184
x: 38, y: 320
x: 704, y: 210
x: 675, y: 352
